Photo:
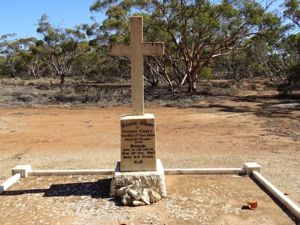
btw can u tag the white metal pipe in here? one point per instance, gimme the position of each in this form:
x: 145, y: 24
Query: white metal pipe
x: 295, y: 209
x: 69, y: 172
x: 8, y: 183
x: 195, y: 171
x: 175, y: 171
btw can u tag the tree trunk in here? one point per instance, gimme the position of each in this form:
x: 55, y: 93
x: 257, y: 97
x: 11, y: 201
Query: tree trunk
x: 62, y: 79
x: 192, y: 85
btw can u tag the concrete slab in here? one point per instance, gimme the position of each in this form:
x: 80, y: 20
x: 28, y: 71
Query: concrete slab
x: 192, y: 199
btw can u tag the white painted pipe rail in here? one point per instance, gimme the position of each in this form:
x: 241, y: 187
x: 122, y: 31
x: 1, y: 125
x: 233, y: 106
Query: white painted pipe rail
x: 70, y: 172
x: 295, y: 209
x: 8, y: 183
x: 110, y: 172
x: 195, y: 171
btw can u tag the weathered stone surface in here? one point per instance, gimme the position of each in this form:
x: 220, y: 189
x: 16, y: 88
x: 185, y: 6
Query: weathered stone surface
x: 131, y: 197
x: 120, y: 192
x: 153, y: 196
x: 126, y: 199
x: 134, y: 194
x: 138, y: 148
x: 154, y: 180
x: 145, y: 196
x: 150, y: 182
x: 137, y: 203
x: 136, y: 51
x: 138, y: 188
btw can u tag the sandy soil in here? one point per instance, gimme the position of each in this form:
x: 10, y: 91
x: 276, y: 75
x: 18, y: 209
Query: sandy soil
x: 205, y: 200
x: 217, y: 132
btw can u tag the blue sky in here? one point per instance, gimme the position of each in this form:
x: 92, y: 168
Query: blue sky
x: 21, y: 16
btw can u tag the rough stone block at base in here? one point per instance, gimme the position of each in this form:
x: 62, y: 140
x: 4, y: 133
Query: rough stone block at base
x: 21, y: 169
x: 249, y: 167
x: 154, y: 180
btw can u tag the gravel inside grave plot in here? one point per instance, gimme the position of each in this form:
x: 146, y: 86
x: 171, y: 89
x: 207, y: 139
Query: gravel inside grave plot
x: 201, y: 199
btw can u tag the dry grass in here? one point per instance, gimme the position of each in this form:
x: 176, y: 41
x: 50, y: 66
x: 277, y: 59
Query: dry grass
x: 47, y: 91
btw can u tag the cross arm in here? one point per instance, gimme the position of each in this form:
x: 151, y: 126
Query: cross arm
x: 153, y: 49
x: 116, y: 49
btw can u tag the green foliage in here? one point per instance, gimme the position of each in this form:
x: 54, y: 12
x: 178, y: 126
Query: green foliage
x: 293, y: 11
x: 207, y: 72
x: 60, y: 47
x: 234, y: 39
x: 294, y: 75
x: 293, y: 80
x: 2, y: 67
x: 195, y: 32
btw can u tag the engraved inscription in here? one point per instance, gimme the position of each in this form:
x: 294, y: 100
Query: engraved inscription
x: 137, y: 133
x: 138, y: 143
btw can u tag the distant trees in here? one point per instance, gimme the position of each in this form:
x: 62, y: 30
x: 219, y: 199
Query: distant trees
x: 61, y: 52
x: 17, y: 59
x: 292, y: 11
x: 195, y: 32
x: 59, y: 48
x: 232, y: 39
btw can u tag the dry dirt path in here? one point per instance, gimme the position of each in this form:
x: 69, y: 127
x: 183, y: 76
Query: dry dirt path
x: 222, y: 134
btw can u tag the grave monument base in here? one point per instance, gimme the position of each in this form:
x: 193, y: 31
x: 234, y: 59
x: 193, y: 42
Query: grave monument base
x: 139, y: 188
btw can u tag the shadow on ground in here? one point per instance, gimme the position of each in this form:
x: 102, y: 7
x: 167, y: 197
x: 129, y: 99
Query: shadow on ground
x: 267, y: 106
x: 99, y: 189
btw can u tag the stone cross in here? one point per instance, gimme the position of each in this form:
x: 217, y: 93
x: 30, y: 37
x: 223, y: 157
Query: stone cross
x: 136, y: 50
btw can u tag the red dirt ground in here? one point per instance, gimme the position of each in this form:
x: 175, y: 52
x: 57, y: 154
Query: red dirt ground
x: 220, y: 133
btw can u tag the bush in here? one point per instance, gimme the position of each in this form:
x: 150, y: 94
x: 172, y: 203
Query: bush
x: 207, y: 73
x: 294, y: 75
x: 293, y: 81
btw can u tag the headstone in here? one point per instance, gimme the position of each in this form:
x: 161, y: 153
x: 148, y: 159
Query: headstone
x: 139, y: 171
x: 138, y: 146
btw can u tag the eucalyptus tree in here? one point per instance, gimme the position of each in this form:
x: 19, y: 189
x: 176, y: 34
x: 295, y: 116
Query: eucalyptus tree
x: 8, y: 52
x: 60, y: 47
x: 195, y: 32
x: 32, y: 64
x: 19, y: 60
x: 292, y: 11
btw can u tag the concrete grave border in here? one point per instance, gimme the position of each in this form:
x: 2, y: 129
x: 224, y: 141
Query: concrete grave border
x: 251, y: 169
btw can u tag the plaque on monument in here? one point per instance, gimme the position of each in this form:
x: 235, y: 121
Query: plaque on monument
x: 138, y: 150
